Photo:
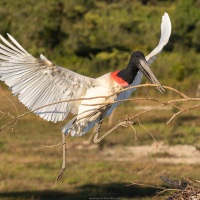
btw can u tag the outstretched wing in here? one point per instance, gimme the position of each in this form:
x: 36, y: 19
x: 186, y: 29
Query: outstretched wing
x: 39, y: 82
x: 165, y: 34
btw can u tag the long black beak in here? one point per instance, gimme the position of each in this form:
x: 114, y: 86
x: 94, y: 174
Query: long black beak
x: 144, y: 68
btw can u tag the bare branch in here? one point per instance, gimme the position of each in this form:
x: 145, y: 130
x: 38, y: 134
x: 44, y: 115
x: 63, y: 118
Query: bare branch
x: 181, y: 111
x: 161, y: 104
x: 121, y: 123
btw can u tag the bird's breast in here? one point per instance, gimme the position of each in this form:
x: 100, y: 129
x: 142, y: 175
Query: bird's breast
x: 99, y: 97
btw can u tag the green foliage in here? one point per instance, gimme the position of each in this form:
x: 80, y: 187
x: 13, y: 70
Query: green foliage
x: 94, y: 37
x: 187, y: 18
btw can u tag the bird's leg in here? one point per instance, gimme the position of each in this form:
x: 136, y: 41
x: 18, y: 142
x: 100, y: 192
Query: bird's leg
x: 124, y: 123
x: 63, y: 159
x: 97, y: 131
x: 99, y: 126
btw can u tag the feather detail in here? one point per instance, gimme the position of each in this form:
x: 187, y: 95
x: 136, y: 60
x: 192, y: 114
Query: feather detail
x: 118, y: 79
x: 39, y: 82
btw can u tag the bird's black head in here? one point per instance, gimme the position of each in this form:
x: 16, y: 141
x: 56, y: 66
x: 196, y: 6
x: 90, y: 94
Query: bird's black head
x: 136, y: 55
x: 138, y: 61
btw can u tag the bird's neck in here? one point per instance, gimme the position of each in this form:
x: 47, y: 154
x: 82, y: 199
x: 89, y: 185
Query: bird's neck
x: 126, y: 76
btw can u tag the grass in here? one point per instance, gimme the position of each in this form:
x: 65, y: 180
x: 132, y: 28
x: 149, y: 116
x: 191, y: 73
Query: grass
x: 28, y: 169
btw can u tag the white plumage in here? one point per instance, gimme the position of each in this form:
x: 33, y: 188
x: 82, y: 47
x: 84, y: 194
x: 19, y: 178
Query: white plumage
x: 40, y: 82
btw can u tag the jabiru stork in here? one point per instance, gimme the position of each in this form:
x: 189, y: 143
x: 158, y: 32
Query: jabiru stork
x: 39, y: 82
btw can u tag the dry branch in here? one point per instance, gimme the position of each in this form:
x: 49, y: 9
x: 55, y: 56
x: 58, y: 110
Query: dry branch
x: 184, y: 98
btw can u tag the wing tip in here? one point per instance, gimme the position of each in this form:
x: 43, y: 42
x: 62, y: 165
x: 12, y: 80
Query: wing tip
x: 164, y: 37
x: 166, y: 14
x: 166, y: 28
x: 166, y: 20
x: 1, y: 37
x: 45, y: 60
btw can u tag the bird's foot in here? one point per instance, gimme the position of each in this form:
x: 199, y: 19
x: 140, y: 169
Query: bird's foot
x: 61, y: 173
x: 126, y: 122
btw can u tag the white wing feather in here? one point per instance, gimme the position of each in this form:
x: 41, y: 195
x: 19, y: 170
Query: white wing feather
x: 165, y: 34
x: 39, y: 82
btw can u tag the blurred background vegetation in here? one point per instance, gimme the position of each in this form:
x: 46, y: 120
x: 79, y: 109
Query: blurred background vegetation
x: 94, y: 37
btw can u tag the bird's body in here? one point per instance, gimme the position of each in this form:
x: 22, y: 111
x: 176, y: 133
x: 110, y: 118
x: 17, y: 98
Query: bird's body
x: 96, y: 101
x: 93, y: 104
x: 39, y: 83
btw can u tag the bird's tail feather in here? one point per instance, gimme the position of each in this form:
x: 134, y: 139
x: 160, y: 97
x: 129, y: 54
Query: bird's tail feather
x: 75, y: 128
x: 67, y: 128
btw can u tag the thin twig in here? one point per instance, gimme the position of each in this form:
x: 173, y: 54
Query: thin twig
x: 10, y: 101
x: 147, y: 167
x: 156, y: 150
x: 136, y: 138
x: 145, y: 185
x: 179, y: 112
x: 147, y: 130
x: 55, y: 145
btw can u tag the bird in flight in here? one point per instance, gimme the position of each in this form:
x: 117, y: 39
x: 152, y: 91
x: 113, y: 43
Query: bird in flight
x: 52, y: 92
